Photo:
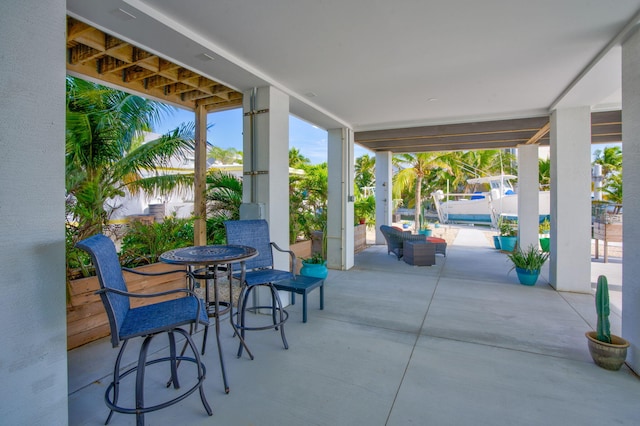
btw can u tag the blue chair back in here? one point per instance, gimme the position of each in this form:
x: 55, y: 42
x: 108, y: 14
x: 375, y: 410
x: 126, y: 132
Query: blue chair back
x: 252, y: 233
x: 105, y: 259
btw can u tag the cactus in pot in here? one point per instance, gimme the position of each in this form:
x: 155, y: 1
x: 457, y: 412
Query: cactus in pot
x: 602, y: 308
x: 607, y: 350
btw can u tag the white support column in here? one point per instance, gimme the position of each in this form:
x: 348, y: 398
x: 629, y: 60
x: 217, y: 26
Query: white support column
x: 340, y: 239
x: 570, y: 260
x: 266, y: 164
x: 528, y: 207
x: 384, y: 195
x: 631, y: 182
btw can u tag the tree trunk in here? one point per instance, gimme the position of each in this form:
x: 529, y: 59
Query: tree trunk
x: 418, y: 203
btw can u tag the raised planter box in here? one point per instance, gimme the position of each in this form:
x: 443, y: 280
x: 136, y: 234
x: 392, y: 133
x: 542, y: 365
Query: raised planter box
x: 360, y: 238
x: 86, y: 318
x: 302, y: 250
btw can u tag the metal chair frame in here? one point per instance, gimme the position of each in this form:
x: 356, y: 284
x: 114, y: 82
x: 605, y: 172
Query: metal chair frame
x: 146, y: 321
x: 260, y: 272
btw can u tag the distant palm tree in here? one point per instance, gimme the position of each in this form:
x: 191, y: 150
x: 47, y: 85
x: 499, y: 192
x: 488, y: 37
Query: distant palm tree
x: 610, y: 159
x: 297, y: 160
x: 544, y: 172
x: 102, y: 159
x: 414, y: 169
x: 365, y: 171
x: 225, y: 156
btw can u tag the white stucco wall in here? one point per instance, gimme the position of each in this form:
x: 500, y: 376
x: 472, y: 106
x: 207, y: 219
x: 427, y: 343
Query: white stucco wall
x: 33, y: 359
x: 631, y: 183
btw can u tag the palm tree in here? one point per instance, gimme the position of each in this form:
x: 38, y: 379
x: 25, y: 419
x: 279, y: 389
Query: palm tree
x: 297, y: 160
x: 225, y: 156
x: 417, y: 166
x: 614, y: 191
x: 610, y: 159
x: 544, y: 172
x: 101, y: 160
x: 365, y: 171
x: 224, y: 195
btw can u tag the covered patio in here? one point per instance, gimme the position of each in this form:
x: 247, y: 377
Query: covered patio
x: 456, y: 343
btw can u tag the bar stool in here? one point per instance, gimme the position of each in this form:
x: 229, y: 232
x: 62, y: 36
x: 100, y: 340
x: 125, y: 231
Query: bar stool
x: 260, y: 273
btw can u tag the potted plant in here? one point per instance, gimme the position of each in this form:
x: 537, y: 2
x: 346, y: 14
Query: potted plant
x: 607, y: 350
x: 314, y: 266
x: 508, y: 234
x: 425, y: 229
x: 527, y: 264
x: 364, y: 209
x: 543, y: 229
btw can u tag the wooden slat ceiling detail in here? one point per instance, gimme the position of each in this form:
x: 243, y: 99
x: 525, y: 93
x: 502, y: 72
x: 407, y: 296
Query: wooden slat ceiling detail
x: 606, y: 127
x: 102, y: 57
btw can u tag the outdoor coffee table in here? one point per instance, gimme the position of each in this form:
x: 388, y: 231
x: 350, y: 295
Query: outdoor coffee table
x: 419, y: 253
x: 302, y: 285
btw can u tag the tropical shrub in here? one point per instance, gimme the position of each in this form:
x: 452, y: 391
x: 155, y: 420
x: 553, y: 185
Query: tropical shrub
x: 365, y: 208
x: 530, y: 259
x: 143, y: 243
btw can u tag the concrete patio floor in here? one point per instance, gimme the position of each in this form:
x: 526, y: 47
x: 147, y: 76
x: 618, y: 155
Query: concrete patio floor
x: 458, y: 343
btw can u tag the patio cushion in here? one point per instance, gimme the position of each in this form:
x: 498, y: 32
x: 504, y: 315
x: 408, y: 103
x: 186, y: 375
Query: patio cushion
x: 441, y: 244
x: 154, y: 318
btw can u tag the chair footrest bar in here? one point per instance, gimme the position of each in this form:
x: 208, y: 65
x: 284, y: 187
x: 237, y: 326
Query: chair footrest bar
x: 165, y: 404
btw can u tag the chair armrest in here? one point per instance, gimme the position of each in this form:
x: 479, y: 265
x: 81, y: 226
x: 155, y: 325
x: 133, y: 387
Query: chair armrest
x: 134, y: 271
x: 147, y: 295
x: 292, y: 254
x: 190, y: 293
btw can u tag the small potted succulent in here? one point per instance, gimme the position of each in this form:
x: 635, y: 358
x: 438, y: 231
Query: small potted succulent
x: 314, y: 266
x: 607, y: 350
x: 528, y: 263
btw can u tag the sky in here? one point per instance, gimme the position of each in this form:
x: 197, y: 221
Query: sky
x: 226, y: 132
x: 310, y: 140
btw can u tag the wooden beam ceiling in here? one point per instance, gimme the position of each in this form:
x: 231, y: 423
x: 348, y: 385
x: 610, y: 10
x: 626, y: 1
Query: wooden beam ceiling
x: 102, y: 57
x: 105, y: 58
x: 606, y: 127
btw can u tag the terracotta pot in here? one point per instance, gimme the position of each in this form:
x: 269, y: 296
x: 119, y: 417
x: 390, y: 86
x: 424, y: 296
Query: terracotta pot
x: 610, y: 356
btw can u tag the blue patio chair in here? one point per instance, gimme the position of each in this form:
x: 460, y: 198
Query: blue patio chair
x: 145, y: 321
x: 259, y: 272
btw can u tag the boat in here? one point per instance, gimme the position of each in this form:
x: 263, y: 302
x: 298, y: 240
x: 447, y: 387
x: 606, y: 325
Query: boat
x: 492, y: 197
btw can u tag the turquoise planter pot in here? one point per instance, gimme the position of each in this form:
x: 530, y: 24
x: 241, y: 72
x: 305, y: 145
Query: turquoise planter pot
x: 426, y: 232
x: 544, y: 244
x: 496, y: 242
x: 508, y: 243
x: 314, y: 270
x: 527, y: 277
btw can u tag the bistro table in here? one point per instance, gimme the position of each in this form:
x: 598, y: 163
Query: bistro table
x: 212, y: 257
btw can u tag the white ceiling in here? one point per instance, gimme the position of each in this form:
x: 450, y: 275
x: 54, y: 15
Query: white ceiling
x: 373, y: 64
